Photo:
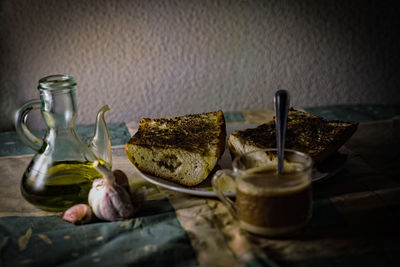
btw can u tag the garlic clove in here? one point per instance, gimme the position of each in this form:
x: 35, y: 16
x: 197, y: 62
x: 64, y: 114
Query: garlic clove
x: 109, y: 200
x: 137, y: 197
x: 121, y: 179
x: 79, y: 214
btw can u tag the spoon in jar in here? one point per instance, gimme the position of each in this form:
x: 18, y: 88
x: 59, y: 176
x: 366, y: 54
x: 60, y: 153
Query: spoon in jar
x: 281, y: 101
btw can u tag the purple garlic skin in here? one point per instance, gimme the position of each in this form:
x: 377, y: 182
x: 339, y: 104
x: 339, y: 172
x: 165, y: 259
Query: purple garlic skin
x: 110, y: 197
x: 137, y: 197
x: 121, y: 179
x: 79, y: 214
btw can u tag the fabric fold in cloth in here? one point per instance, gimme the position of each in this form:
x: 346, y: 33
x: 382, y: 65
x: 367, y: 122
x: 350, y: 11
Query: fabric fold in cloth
x: 153, y: 237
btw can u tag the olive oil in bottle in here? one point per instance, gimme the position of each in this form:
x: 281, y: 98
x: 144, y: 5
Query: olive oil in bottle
x: 64, y: 184
x: 61, y: 171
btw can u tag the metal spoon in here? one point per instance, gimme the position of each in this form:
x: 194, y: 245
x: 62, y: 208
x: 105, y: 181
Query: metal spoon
x: 281, y: 101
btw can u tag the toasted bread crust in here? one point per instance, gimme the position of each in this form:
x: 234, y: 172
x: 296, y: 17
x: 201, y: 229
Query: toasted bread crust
x: 193, y: 133
x: 307, y: 133
x: 196, y: 134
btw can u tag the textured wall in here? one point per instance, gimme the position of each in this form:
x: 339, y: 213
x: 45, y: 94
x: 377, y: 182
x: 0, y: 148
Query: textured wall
x: 153, y: 58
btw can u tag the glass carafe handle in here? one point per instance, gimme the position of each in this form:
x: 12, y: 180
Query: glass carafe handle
x: 20, y: 124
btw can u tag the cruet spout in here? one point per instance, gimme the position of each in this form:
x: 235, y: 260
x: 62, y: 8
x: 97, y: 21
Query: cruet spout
x: 100, y: 143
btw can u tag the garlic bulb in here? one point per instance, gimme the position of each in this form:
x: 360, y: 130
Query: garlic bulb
x: 110, y: 197
x: 79, y: 214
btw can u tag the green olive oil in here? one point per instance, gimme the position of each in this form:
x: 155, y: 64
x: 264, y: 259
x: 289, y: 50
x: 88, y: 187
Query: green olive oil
x: 64, y: 184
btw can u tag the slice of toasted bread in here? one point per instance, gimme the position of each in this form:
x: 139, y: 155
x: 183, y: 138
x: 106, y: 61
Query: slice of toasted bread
x: 182, y: 149
x: 305, y: 132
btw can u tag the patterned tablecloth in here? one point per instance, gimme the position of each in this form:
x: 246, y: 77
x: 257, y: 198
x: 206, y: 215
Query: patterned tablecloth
x: 356, y: 213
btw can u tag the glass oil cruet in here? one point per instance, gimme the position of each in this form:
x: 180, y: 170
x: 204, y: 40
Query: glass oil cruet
x: 61, y: 172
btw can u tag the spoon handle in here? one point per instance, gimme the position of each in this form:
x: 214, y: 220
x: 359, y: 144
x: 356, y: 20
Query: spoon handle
x: 281, y: 113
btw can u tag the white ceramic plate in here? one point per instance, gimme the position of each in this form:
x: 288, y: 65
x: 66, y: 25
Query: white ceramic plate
x: 328, y: 169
